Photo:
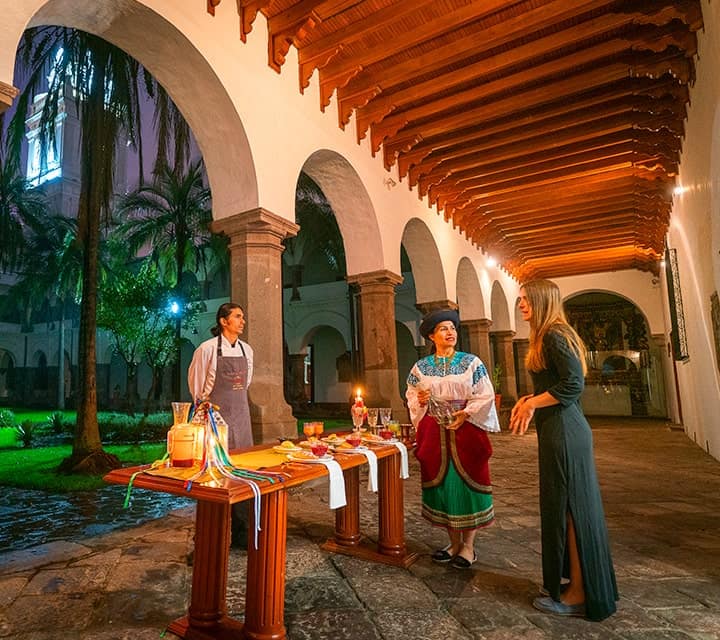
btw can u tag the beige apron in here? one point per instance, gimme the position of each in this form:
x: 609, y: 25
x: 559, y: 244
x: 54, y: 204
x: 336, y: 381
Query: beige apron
x: 230, y: 395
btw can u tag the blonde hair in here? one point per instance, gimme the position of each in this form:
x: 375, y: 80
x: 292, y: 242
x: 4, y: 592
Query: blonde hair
x: 548, y: 316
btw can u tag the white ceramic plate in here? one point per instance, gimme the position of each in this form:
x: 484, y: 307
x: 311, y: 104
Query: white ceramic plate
x: 280, y: 449
x: 292, y: 458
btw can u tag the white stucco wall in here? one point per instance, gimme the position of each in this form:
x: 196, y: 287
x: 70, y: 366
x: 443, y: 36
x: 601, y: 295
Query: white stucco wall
x: 256, y: 132
x: 694, y: 232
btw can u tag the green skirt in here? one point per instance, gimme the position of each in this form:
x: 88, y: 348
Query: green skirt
x: 454, y: 505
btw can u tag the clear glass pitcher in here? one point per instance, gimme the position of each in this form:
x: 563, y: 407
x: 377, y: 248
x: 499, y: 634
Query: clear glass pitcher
x: 185, y: 444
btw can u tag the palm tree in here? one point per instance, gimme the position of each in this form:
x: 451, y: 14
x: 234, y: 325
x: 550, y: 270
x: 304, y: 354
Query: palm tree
x: 107, y: 87
x: 21, y: 209
x: 173, y: 215
x: 319, y: 235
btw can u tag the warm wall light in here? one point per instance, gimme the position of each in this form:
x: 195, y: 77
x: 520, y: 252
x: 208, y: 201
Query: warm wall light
x: 490, y: 262
x: 679, y: 190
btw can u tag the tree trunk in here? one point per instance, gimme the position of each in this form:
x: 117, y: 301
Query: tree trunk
x: 87, y: 455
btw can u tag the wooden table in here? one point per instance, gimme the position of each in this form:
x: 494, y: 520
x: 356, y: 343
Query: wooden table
x: 207, y: 617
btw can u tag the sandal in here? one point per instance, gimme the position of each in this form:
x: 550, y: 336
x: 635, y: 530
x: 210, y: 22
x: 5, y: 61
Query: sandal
x: 442, y: 555
x: 463, y: 563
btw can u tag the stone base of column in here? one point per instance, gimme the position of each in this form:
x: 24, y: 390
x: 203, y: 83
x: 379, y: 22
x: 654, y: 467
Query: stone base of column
x: 270, y: 419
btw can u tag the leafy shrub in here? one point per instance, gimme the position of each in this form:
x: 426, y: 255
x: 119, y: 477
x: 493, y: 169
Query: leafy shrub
x: 59, y: 424
x: 120, y: 427
x: 26, y: 433
x: 7, y: 418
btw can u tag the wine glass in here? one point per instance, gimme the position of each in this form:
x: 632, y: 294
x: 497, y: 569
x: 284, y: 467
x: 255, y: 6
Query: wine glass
x: 372, y: 418
x: 358, y: 415
x: 394, y: 427
x: 319, y: 428
x: 309, y: 429
x: 385, y: 415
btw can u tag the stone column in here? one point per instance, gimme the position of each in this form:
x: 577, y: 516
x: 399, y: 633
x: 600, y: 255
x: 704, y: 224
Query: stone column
x: 525, y: 385
x: 8, y: 93
x: 505, y: 358
x: 378, y: 340
x: 426, y: 307
x: 256, y: 284
x: 478, y: 332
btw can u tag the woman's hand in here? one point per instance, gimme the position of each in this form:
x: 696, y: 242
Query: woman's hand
x: 460, y: 417
x: 521, y: 414
x: 423, y: 395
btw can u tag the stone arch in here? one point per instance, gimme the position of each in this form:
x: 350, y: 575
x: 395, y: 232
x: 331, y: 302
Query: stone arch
x: 499, y: 308
x: 469, y: 292
x: 609, y: 292
x: 7, y: 374
x: 424, y: 256
x: 158, y: 45
x: 329, y: 347
x: 300, y: 334
x: 41, y: 373
x: 353, y: 209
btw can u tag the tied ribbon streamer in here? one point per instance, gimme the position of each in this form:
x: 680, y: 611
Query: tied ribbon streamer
x: 154, y: 465
x: 217, y: 461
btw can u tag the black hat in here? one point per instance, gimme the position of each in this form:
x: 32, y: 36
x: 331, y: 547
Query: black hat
x: 434, y: 318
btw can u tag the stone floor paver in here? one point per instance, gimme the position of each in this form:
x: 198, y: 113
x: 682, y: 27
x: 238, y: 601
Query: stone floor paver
x: 662, y: 499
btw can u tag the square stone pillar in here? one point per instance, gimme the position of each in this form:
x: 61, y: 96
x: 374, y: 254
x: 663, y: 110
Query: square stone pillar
x: 378, y: 339
x: 506, y: 359
x: 478, y: 332
x: 256, y: 284
x: 525, y: 385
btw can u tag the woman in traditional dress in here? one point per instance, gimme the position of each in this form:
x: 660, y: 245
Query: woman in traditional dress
x: 455, y: 474
x: 575, y: 541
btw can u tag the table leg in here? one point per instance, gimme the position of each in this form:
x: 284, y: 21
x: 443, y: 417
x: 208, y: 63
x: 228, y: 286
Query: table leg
x: 207, y: 615
x: 265, y: 599
x: 347, y: 518
x: 391, y: 517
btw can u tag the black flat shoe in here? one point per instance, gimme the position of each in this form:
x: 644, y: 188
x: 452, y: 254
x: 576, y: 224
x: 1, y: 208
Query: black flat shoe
x: 463, y: 563
x: 442, y: 555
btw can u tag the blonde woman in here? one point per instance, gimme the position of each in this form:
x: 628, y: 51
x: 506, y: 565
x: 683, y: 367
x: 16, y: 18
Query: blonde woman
x: 575, y: 542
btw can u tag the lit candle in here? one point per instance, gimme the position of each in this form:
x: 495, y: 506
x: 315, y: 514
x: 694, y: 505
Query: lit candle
x: 358, y: 398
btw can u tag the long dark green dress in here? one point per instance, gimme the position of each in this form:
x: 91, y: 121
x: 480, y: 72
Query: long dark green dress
x: 568, y: 483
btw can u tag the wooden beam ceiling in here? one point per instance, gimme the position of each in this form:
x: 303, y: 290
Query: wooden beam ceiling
x: 547, y: 131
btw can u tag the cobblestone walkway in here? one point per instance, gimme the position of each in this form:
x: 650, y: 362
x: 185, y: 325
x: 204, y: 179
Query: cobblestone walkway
x: 662, y: 498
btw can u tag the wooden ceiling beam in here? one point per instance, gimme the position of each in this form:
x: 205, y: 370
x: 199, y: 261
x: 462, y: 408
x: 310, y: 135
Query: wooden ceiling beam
x: 531, y: 159
x: 525, y: 24
x: 537, y: 124
x: 609, y: 77
x: 338, y: 71
x: 436, y: 95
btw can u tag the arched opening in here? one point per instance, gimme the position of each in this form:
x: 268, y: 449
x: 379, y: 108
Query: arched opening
x: 625, y: 375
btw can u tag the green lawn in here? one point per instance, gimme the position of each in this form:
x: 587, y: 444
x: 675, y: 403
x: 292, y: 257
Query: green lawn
x: 34, y: 468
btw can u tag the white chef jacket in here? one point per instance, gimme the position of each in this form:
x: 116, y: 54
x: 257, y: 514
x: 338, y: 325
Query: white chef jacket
x: 201, y: 374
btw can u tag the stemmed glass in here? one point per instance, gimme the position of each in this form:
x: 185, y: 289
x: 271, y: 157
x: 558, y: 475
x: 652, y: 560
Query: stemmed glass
x: 309, y: 429
x: 319, y: 428
x: 358, y: 415
x: 385, y: 415
x: 372, y: 418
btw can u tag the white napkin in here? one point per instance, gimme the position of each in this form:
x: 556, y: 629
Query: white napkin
x: 337, y: 484
x: 372, y: 468
x: 404, y: 469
